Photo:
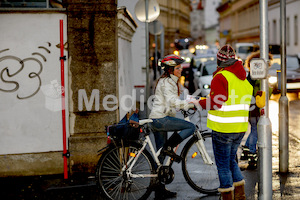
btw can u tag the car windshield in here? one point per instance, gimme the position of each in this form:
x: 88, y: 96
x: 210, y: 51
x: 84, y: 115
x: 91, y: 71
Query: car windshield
x: 245, y: 49
x: 209, y: 69
x: 292, y: 63
x: 198, y: 61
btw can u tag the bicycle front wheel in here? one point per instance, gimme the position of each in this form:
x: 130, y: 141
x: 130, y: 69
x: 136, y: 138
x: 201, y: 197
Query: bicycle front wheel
x: 200, y: 176
x: 113, y: 178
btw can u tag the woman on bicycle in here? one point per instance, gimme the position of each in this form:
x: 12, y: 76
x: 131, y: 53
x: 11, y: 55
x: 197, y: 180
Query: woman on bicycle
x: 166, y: 101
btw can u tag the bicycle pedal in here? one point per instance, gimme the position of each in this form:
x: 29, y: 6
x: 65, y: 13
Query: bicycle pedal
x: 173, y: 156
x: 178, y: 160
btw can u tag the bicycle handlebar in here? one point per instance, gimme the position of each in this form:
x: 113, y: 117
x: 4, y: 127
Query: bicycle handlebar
x: 188, y: 112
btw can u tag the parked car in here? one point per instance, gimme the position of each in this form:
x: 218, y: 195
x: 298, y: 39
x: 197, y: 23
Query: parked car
x: 190, y: 70
x: 204, y: 75
x: 292, y: 74
x: 243, y: 50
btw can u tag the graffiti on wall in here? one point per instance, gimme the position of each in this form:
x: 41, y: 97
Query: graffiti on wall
x: 12, y: 66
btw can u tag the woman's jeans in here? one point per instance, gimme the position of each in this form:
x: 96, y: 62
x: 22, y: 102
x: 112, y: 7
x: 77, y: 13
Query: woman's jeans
x: 252, y: 138
x: 161, y: 126
x: 225, y: 146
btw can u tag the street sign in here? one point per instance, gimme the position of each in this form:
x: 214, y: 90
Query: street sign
x: 156, y: 27
x: 258, y: 68
x: 153, y: 10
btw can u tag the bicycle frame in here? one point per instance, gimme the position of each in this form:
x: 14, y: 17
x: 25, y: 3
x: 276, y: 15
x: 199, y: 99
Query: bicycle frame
x: 134, y: 159
x: 131, y: 162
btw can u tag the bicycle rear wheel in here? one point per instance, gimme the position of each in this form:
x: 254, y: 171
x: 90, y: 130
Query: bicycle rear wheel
x: 200, y: 176
x: 115, y: 183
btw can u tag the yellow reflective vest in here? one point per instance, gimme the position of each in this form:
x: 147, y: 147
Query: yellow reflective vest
x: 232, y: 117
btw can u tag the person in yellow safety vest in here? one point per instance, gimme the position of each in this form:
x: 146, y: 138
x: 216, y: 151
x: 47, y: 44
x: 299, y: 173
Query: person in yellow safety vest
x: 228, y: 105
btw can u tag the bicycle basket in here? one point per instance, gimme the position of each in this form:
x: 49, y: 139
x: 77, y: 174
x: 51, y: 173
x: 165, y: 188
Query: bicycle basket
x: 127, y: 129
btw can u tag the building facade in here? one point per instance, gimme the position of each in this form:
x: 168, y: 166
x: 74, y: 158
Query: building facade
x: 211, y: 27
x: 175, y: 17
x: 240, y: 22
x: 292, y: 25
x: 197, y: 21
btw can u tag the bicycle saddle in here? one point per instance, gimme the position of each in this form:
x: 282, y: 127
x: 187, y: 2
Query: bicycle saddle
x: 145, y: 121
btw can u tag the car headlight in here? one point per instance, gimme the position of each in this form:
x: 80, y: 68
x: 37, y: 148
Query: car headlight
x: 206, y: 86
x: 272, y: 79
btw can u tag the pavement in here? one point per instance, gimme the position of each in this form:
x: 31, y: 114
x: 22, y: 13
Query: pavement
x: 83, y: 186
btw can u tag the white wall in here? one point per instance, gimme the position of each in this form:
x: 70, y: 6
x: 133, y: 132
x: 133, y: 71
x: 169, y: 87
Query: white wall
x: 292, y: 10
x: 138, y: 48
x: 127, y: 97
x: 30, y: 108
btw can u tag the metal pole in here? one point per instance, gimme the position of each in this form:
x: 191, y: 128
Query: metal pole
x: 147, y: 56
x: 162, y: 45
x: 155, y: 40
x: 283, y: 101
x: 63, y: 110
x: 264, y: 123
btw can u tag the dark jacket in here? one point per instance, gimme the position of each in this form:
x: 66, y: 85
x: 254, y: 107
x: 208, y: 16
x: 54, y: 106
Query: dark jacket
x: 254, y: 110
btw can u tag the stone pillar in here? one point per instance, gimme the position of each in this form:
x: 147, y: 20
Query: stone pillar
x: 92, y: 43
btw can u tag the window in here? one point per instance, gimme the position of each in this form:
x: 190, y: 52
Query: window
x: 269, y: 32
x: 288, y: 31
x: 31, y: 4
x: 296, y: 29
x: 274, y: 31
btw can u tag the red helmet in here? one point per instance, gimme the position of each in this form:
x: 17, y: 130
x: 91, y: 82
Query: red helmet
x: 170, y: 61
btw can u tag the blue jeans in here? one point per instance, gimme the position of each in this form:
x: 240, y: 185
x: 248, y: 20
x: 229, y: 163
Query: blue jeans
x: 161, y: 126
x: 252, y: 138
x: 225, y: 146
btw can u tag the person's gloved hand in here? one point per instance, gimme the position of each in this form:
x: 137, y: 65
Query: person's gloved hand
x: 192, y: 106
x: 194, y: 102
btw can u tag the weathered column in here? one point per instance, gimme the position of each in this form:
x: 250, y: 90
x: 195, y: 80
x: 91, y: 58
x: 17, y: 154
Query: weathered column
x: 92, y: 43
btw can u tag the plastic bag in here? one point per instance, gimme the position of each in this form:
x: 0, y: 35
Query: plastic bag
x: 127, y: 129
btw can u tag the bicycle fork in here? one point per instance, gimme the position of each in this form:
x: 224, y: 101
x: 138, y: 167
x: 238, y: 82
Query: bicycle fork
x: 201, y: 147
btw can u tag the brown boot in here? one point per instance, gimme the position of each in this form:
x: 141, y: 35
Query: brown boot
x: 239, y: 190
x: 227, y: 193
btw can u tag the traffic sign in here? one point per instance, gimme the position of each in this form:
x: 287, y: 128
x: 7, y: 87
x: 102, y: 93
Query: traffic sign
x: 153, y: 10
x: 258, y: 68
x: 156, y: 27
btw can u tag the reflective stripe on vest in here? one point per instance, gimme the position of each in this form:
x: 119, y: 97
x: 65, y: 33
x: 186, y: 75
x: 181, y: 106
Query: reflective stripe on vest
x: 226, y: 119
x: 235, y: 107
x: 232, y: 117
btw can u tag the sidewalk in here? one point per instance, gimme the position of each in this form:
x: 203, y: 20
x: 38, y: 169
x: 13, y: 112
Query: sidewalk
x: 285, y: 186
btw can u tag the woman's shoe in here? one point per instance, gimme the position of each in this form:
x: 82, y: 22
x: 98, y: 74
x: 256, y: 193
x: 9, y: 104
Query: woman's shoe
x: 239, y: 190
x: 252, y: 160
x: 245, y: 153
x: 227, y: 193
x: 162, y: 193
x: 172, y: 142
x: 169, y: 152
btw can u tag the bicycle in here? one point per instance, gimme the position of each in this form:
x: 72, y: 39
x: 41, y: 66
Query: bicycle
x: 126, y: 170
